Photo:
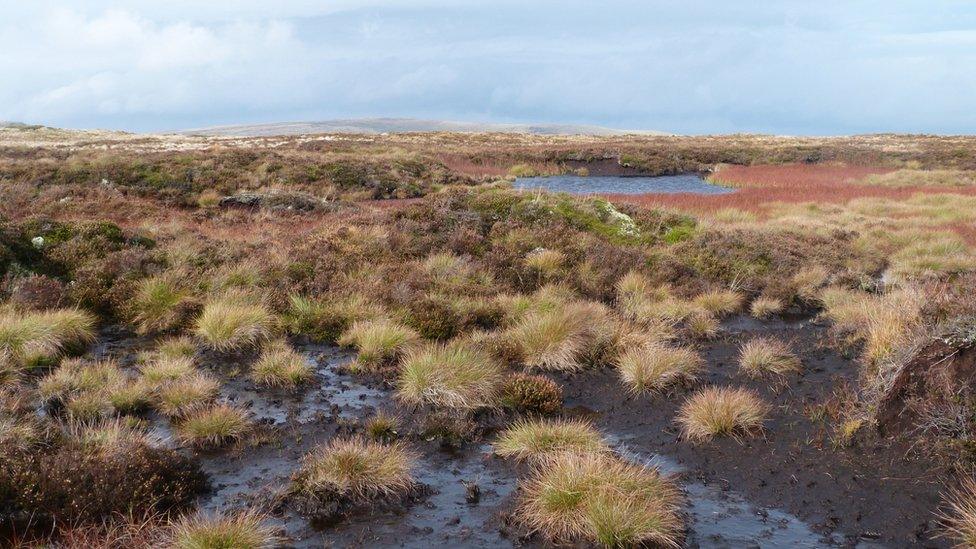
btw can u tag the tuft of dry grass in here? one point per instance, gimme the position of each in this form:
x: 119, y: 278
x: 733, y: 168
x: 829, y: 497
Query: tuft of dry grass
x: 356, y: 469
x: 281, y: 366
x: 452, y: 375
x: 720, y: 302
x: 379, y: 342
x: 960, y: 517
x: 767, y: 355
x: 599, y: 499
x: 702, y: 325
x: 38, y: 338
x: 535, y: 440
x: 656, y: 367
x: 167, y: 369
x: 721, y: 411
x: 213, y: 427
x: 186, y: 394
x: 242, y: 530
x: 561, y: 338
x: 158, y: 303
x: 764, y: 307
x: 234, y: 321
x: 176, y: 347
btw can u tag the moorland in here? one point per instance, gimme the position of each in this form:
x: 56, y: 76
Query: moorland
x: 368, y: 340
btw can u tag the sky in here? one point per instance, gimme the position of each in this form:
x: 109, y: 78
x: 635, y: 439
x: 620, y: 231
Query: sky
x: 691, y: 66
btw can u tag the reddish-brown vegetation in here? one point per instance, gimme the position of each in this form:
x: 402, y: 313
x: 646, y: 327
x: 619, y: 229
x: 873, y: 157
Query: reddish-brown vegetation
x: 759, y: 186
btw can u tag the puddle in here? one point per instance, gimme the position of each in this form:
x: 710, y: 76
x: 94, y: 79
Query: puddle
x: 721, y: 518
x: 575, y: 184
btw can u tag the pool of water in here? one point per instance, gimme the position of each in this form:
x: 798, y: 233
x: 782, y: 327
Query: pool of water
x: 575, y: 184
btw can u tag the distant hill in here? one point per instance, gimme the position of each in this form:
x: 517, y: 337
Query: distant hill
x: 403, y: 125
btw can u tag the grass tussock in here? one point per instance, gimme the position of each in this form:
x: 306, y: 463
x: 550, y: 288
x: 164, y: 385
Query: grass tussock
x: 702, y: 325
x: 379, y: 342
x: 451, y: 375
x: 242, y: 530
x: 213, y: 427
x: 281, y: 366
x: 885, y: 323
x: 234, y: 321
x: 534, y: 440
x: 327, y: 318
x: 356, y: 470
x: 721, y: 411
x: 189, y: 393
x: 959, y: 517
x: 176, y: 347
x: 720, y: 302
x: 657, y: 367
x: 765, y: 355
x: 599, y: 499
x: 561, y: 339
x: 166, y: 369
x: 765, y: 307
x: 39, y: 338
x: 161, y: 303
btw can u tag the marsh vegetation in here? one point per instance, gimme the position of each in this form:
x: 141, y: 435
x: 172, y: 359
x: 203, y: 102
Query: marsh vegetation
x: 377, y: 340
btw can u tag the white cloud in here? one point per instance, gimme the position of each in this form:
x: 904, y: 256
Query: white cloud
x: 697, y: 66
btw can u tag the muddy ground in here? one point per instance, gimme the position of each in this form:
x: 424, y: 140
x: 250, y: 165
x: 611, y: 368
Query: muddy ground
x: 793, y: 487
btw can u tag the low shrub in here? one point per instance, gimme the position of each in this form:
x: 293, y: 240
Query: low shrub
x: 532, y: 394
x: 88, y: 484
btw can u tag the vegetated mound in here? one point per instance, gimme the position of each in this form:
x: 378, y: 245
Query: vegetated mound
x: 930, y: 389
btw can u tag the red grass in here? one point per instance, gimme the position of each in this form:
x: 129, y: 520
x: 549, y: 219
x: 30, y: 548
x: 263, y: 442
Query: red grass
x: 758, y: 186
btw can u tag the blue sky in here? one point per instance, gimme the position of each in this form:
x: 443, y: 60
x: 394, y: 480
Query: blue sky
x: 693, y: 66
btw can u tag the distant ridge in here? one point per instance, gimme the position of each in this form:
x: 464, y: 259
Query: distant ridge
x: 404, y: 125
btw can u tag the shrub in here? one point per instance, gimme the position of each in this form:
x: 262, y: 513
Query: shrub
x: 160, y: 304
x: 280, y: 365
x: 243, y: 530
x: 599, y: 499
x: 531, y: 394
x: 213, y: 427
x: 379, y: 342
x: 764, y: 355
x: 656, y: 366
x: 352, y: 472
x: 453, y: 375
x: 764, y: 307
x: 538, y: 439
x: 233, y: 322
x: 435, y: 317
x: 716, y: 411
x: 86, y: 484
x: 36, y: 292
x: 720, y: 302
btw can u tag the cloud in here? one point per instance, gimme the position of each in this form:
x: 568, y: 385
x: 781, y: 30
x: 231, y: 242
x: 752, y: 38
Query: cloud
x: 689, y: 66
